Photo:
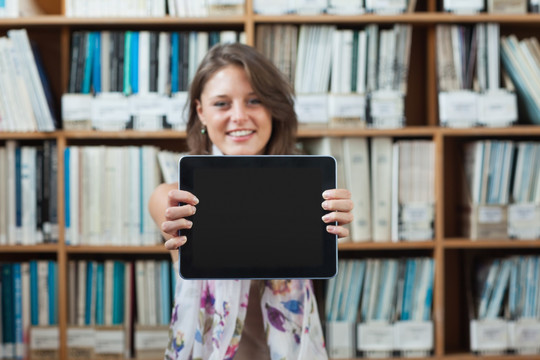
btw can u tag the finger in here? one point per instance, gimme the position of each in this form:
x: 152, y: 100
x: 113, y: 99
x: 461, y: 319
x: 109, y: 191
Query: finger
x: 181, y: 196
x: 341, y: 218
x: 340, y: 231
x: 337, y: 205
x: 172, y: 227
x: 336, y: 194
x: 175, y: 242
x: 177, y: 212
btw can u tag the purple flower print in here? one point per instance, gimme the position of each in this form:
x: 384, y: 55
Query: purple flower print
x: 275, y: 317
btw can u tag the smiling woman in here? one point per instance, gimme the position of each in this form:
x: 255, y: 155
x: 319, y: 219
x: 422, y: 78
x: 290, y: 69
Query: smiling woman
x: 240, y: 104
x: 260, y: 83
x: 236, y: 120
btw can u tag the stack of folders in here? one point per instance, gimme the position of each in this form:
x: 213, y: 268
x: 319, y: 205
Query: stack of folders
x: 28, y: 193
x: 134, y: 79
x: 373, y: 305
x: 468, y: 72
x: 26, y: 101
x: 366, y: 69
x: 502, y: 189
x: 115, y: 307
x: 391, y: 184
x: 504, y: 305
x: 29, y: 314
x: 107, y: 192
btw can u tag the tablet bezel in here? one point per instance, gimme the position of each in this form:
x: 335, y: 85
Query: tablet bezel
x: 327, y: 166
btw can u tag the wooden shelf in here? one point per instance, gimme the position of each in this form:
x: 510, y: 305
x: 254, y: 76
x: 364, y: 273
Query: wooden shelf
x: 417, y: 18
x: 30, y: 249
x: 420, y: 245
x: 60, y: 20
x: 154, y: 249
x: 459, y: 243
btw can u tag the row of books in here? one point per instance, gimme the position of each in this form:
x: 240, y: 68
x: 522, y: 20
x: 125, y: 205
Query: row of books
x: 28, y: 193
x: 373, y: 306
x: 469, y: 73
x: 115, y: 292
x: 26, y: 102
x: 503, y: 171
x: 468, y: 57
x: 521, y: 60
x: 391, y: 184
x: 157, y: 8
x: 336, y: 7
x: 384, y: 290
x: 507, y: 288
x: 29, y: 298
x: 107, y: 189
x: 357, y: 68
x: 139, y: 61
x: 492, y: 6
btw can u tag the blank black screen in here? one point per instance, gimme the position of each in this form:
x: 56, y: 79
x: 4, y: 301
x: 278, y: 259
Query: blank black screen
x: 255, y: 219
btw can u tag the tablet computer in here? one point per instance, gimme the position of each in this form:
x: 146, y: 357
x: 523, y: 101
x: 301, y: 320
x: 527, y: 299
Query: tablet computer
x: 258, y: 217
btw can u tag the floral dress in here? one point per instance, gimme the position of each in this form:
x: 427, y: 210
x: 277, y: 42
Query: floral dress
x: 208, y: 318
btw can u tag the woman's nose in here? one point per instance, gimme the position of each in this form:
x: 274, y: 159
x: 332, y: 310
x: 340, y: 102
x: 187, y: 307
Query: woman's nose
x: 239, y: 113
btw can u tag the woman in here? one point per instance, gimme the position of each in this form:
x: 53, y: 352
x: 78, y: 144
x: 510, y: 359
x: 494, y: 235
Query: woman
x: 240, y: 104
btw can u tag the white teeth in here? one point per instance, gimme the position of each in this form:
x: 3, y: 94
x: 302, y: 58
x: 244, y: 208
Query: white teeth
x: 240, y: 133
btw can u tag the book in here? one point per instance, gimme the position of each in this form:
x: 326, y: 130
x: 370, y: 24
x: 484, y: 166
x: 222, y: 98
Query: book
x: 356, y: 168
x: 381, y: 180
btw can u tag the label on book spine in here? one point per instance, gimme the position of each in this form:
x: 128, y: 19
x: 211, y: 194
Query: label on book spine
x: 524, y: 334
x: 347, y: 106
x: 44, y: 338
x: 497, y: 108
x: 414, y: 335
x: 490, y: 214
x: 76, y: 107
x: 375, y: 336
x: 386, y: 6
x: 464, y: 6
x: 458, y: 108
x: 312, y: 108
x: 110, y: 111
x: 340, y: 336
x: 83, y: 337
x: 109, y: 341
x: 177, y: 113
x: 489, y: 335
x: 387, y: 104
x: 151, y: 339
x: 524, y: 221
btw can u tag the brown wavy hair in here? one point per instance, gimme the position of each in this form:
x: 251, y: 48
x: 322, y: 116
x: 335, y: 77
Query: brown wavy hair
x: 268, y: 83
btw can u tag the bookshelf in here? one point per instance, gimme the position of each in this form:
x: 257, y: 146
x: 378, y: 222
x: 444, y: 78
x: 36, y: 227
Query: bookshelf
x: 51, y: 31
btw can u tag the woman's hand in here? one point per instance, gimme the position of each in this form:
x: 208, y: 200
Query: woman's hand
x: 175, y: 217
x: 339, y: 203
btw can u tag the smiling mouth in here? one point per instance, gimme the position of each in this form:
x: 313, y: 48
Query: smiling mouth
x: 240, y: 133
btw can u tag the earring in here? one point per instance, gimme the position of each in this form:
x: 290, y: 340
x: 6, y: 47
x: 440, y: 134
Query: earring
x: 203, y: 129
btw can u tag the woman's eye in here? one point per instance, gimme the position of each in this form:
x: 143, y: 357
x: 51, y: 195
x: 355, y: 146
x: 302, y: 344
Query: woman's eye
x: 254, y: 101
x: 220, y: 104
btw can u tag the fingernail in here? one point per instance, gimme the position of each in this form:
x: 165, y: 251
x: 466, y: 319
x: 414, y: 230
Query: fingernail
x: 189, y: 224
x: 164, y: 226
x: 330, y: 228
x: 325, y: 205
x: 195, y: 200
x: 326, y: 218
x: 182, y: 240
x: 193, y: 210
x: 326, y: 194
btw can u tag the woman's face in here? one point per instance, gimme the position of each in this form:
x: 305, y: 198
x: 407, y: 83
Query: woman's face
x: 236, y: 121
